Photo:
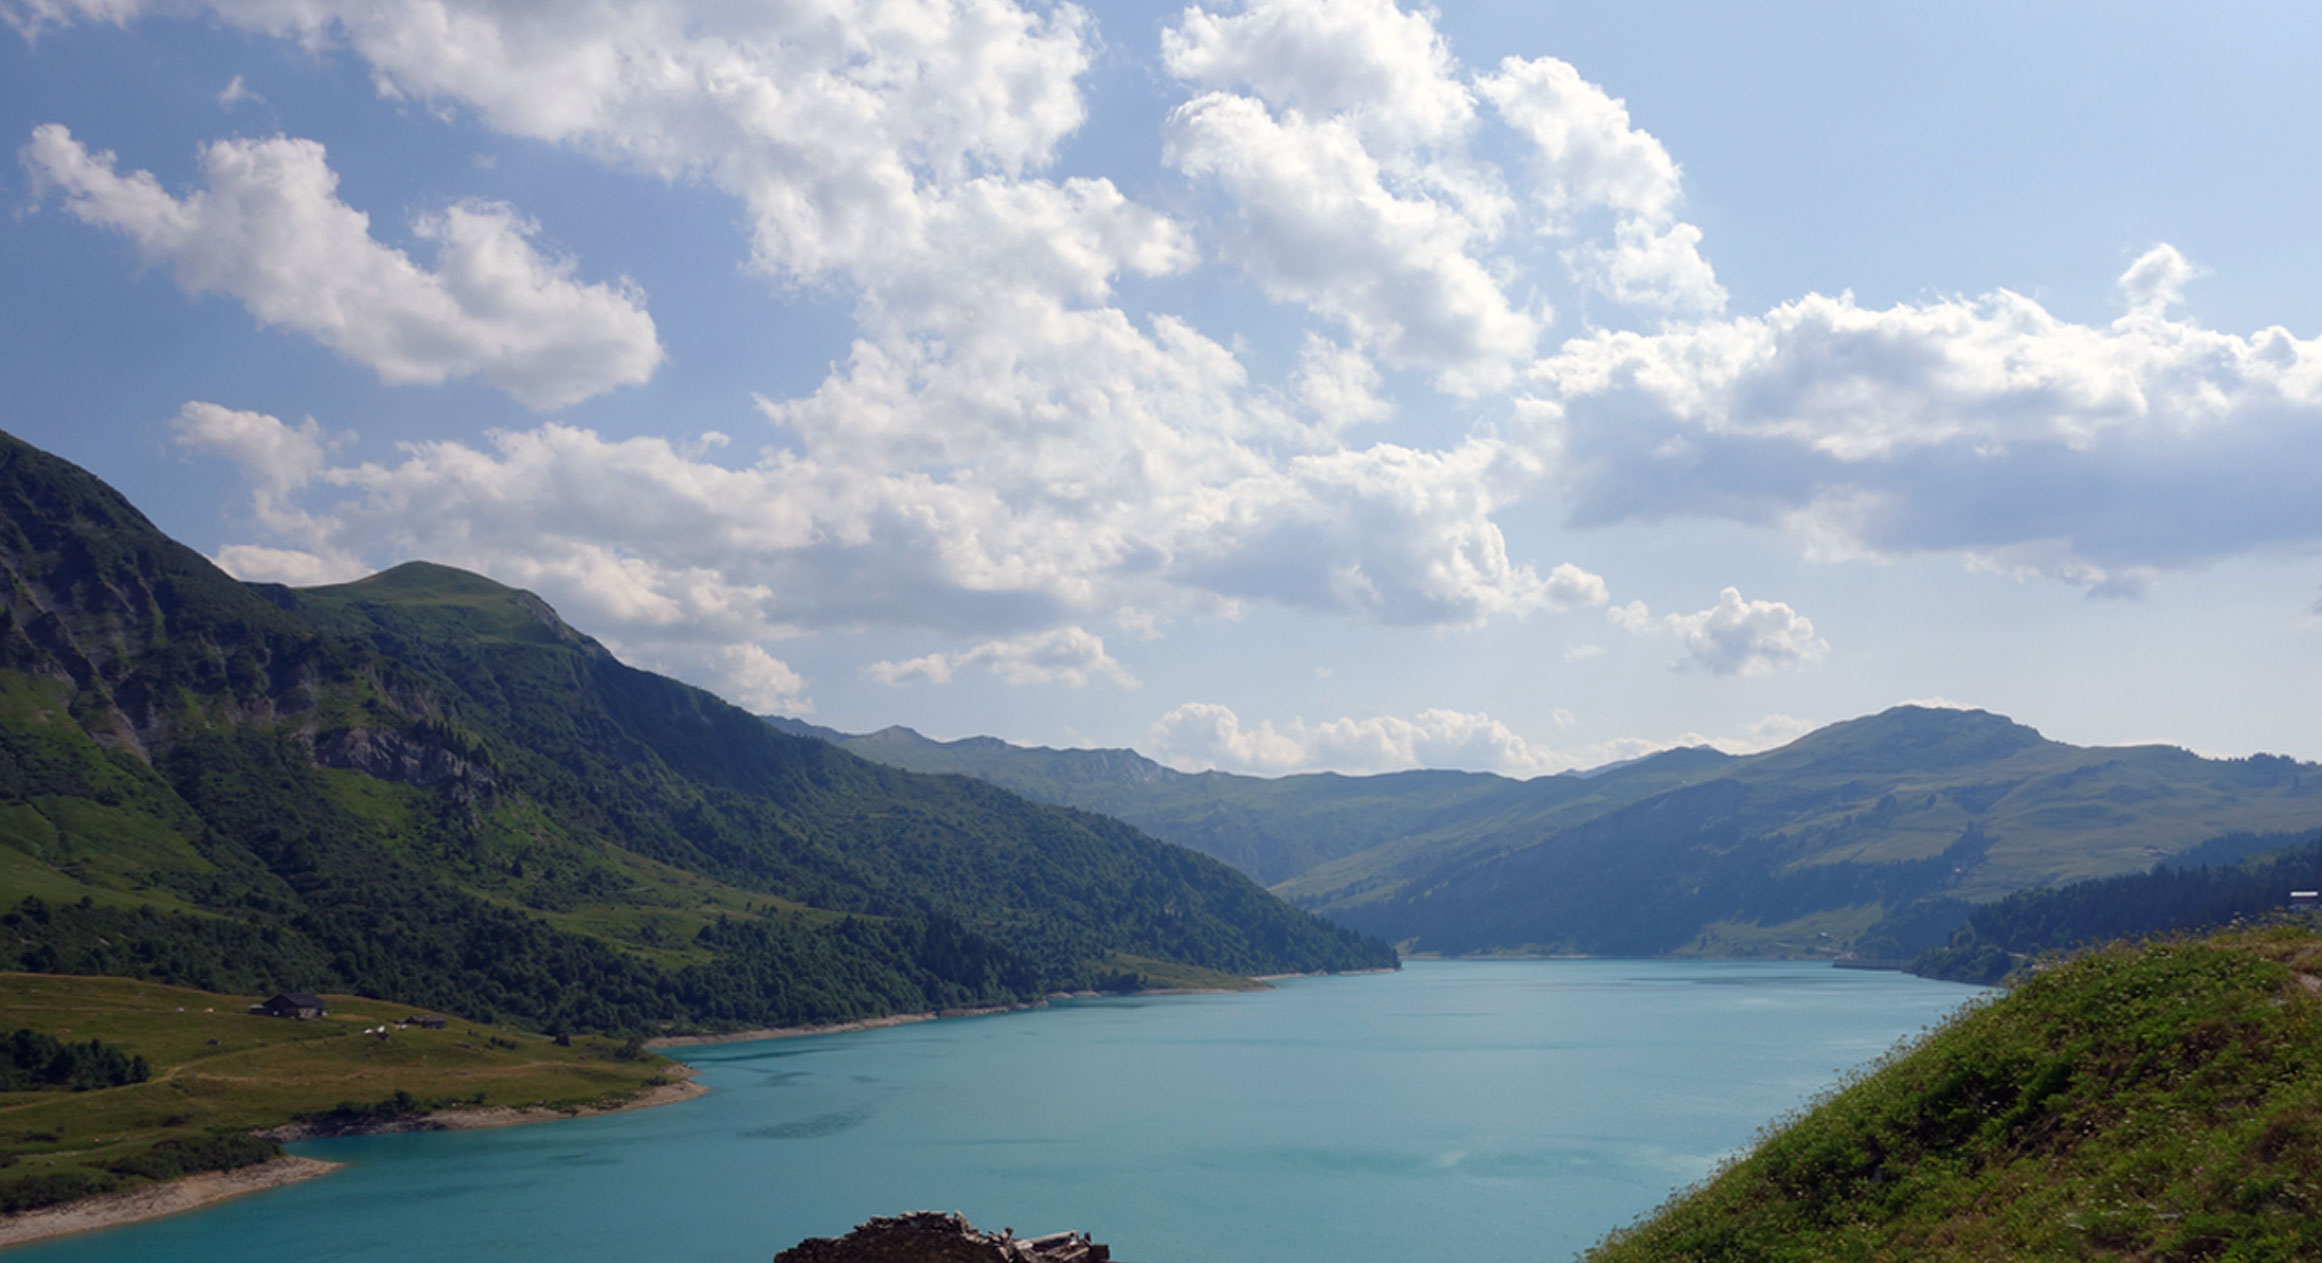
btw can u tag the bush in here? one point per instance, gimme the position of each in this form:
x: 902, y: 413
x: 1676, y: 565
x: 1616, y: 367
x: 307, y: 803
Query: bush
x: 184, y: 1155
x: 47, y: 1188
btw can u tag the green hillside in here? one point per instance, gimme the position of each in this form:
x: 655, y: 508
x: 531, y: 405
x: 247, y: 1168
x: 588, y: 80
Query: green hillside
x: 1879, y: 833
x: 2149, y: 1103
x: 426, y: 787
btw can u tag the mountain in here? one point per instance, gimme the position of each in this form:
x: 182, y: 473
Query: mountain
x: 1876, y: 834
x: 1279, y: 829
x: 426, y: 786
x: 2138, y: 1103
x: 1844, y: 832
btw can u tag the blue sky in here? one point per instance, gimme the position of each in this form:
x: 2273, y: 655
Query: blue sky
x: 1273, y: 386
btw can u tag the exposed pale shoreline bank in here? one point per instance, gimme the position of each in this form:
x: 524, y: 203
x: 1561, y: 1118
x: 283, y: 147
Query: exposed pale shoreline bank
x: 207, y: 1188
x: 666, y: 1042
x: 190, y: 1192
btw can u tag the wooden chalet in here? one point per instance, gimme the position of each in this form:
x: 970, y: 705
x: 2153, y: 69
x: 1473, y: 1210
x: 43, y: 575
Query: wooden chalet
x: 300, y: 1005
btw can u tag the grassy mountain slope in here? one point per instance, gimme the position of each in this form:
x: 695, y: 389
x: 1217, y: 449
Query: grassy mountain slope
x: 425, y: 786
x: 2156, y: 1103
x: 1883, y: 830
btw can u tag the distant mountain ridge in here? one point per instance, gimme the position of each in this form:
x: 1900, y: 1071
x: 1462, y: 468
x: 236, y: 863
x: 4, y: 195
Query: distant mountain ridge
x: 1875, y: 834
x: 426, y: 786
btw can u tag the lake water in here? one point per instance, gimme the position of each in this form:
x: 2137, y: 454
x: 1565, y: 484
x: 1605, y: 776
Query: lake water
x: 1457, y: 1110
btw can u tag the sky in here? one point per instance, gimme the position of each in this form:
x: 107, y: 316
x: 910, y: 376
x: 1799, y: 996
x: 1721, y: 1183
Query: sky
x: 1269, y: 385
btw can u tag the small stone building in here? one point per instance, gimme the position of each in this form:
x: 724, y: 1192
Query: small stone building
x: 292, y: 1004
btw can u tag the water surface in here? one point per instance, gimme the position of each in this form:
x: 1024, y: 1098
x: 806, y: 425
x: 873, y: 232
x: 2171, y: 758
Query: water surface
x: 1457, y: 1110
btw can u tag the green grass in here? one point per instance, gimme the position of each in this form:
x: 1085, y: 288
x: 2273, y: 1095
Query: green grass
x: 218, y: 1069
x: 486, y: 610
x: 2160, y: 1103
x: 1169, y: 975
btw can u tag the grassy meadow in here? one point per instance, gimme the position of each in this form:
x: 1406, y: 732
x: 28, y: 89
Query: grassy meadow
x: 218, y: 1071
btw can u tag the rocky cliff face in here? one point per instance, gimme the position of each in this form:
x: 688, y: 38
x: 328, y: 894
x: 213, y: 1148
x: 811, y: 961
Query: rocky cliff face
x: 156, y: 643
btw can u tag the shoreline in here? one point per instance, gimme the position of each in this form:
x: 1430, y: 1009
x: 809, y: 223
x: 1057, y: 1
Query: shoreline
x: 208, y: 1188
x: 481, y: 1117
x: 154, y: 1201
x: 662, y: 1042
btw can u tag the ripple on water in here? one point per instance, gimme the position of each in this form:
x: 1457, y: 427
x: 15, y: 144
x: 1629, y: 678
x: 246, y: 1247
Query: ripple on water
x: 815, y: 1126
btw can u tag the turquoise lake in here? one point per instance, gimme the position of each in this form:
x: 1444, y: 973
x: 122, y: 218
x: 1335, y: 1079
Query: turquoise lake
x: 1456, y: 1110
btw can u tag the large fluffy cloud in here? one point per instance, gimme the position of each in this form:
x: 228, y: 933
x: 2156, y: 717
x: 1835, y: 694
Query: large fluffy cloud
x: 269, y: 230
x: 663, y: 547
x: 1012, y: 450
x: 1003, y: 448
x: 1341, y: 134
x: 828, y: 121
x: 2096, y: 454
x: 888, y: 148
x: 1205, y: 735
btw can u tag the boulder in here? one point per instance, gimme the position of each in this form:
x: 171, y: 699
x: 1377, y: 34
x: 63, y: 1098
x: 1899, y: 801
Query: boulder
x: 926, y: 1236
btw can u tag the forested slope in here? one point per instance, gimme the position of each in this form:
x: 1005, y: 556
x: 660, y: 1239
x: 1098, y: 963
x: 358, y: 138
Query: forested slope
x: 2188, y: 894
x: 425, y: 786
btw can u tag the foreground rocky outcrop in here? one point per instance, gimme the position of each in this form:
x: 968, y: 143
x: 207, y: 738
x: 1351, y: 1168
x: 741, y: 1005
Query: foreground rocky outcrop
x: 925, y: 1236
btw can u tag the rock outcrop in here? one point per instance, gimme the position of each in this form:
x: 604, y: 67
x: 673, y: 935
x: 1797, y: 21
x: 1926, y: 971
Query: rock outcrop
x: 926, y: 1236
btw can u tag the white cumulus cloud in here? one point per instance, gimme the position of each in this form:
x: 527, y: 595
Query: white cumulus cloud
x: 757, y: 681
x: 2100, y: 455
x: 828, y: 122
x: 1589, y: 156
x: 1319, y: 220
x: 1206, y: 735
x: 1367, y: 60
x: 269, y: 230
x: 1742, y: 637
x: 1070, y: 656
